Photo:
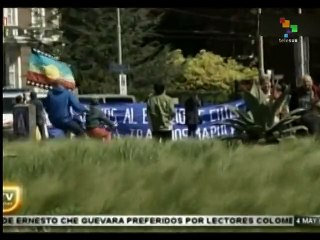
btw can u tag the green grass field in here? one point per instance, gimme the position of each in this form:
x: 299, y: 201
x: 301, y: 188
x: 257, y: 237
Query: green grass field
x: 141, y: 177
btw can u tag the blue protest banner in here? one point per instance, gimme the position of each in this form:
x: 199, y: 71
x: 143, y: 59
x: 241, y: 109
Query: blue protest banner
x: 132, y: 120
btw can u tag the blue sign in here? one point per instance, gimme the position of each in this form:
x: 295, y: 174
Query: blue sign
x: 117, y: 68
x: 132, y: 120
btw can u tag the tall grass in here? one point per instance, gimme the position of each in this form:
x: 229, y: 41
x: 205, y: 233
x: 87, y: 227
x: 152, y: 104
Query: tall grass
x: 134, y: 177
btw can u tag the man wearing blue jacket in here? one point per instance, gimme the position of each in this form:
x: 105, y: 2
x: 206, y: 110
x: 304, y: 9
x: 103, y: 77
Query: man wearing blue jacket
x: 58, y: 103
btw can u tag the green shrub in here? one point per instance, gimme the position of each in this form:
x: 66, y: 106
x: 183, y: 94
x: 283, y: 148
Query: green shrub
x: 257, y: 124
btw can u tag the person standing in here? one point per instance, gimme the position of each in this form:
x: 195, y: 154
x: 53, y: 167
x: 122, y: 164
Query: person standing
x: 58, y: 104
x: 40, y: 114
x: 265, y: 86
x: 18, y: 100
x: 160, y: 111
x: 192, y: 105
x: 283, y: 111
x: 19, y: 121
x: 308, y: 94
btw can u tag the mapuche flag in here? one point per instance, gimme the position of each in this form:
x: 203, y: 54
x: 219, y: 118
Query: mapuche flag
x: 44, y: 70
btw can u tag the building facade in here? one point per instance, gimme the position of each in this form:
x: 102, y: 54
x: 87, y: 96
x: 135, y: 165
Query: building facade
x: 24, y: 28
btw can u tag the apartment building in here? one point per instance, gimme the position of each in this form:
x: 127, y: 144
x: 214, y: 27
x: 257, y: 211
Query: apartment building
x: 24, y: 28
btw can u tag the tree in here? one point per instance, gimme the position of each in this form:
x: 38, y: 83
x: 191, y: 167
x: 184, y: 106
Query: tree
x: 208, y: 71
x: 89, y: 44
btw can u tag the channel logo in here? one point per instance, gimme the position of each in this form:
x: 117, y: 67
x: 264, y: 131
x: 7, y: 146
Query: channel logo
x: 290, y: 28
x: 12, y: 198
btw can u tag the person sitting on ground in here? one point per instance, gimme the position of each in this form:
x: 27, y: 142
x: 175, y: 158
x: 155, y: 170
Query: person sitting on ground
x: 308, y: 94
x: 160, y: 110
x: 58, y: 104
x: 40, y: 115
x: 95, y: 120
x: 192, y: 105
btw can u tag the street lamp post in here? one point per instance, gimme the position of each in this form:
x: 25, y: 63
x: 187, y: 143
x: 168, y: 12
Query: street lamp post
x: 260, y: 46
x: 119, y: 37
x: 122, y: 77
x: 301, y: 56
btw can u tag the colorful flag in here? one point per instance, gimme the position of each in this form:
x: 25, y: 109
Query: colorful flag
x: 44, y: 70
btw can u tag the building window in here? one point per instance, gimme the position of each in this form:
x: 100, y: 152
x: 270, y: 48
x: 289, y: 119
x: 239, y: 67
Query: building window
x: 5, y: 21
x: 12, y: 74
x: 11, y: 16
x: 38, y: 17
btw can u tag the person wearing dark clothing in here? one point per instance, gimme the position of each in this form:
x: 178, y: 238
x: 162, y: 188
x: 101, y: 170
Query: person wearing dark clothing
x: 312, y: 119
x: 19, y: 99
x: 277, y: 91
x: 160, y: 110
x: 192, y: 105
x: 58, y: 104
x: 308, y: 94
x: 95, y: 120
x: 40, y: 118
x: 19, y: 125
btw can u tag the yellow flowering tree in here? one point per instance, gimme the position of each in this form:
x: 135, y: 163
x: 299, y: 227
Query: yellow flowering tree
x: 208, y: 71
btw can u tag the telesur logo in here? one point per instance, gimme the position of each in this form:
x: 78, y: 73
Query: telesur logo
x: 289, y: 30
x: 12, y: 198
